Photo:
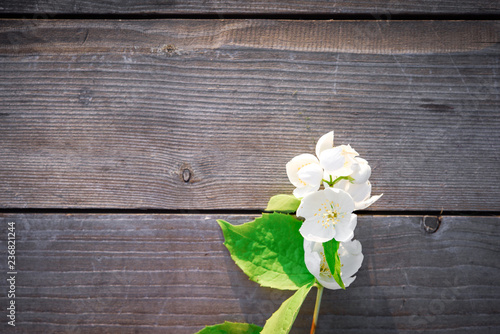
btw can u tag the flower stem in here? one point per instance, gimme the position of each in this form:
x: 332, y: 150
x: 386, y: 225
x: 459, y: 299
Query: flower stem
x: 331, y: 183
x: 319, y: 294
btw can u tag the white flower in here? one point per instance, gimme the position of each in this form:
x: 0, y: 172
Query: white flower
x: 338, y: 161
x: 305, y: 172
x: 328, y: 215
x: 360, y: 193
x: 350, y: 256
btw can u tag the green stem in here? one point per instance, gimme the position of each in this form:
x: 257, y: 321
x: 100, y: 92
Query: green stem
x: 332, y: 183
x: 319, y: 294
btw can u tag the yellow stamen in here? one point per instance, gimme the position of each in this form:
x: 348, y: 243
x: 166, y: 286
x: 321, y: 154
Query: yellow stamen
x: 323, y: 267
x: 332, y: 214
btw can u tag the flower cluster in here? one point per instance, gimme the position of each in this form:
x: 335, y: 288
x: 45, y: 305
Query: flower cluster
x: 328, y: 212
x: 329, y: 188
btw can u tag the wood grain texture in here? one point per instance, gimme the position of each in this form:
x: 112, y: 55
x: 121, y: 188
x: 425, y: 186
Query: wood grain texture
x: 171, y: 274
x: 181, y: 38
x: 377, y: 8
x: 116, y: 114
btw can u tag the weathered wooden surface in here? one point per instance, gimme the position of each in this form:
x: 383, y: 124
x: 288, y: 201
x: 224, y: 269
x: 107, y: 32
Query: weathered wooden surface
x: 171, y: 274
x: 254, y: 7
x: 110, y: 114
x: 181, y: 39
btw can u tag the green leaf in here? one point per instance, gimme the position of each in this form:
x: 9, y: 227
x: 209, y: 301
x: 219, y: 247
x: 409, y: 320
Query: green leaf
x: 332, y: 258
x: 270, y: 250
x: 231, y: 328
x: 283, y: 203
x: 282, y: 320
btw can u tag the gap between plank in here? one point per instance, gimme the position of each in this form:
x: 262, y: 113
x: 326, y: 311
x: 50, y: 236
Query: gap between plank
x: 255, y: 16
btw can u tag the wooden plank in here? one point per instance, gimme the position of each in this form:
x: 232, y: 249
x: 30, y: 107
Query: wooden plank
x: 376, y: 8
x: 171, y: 274
x: 182, y: 38
x: 112, y: 114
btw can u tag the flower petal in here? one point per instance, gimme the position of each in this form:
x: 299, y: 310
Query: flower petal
x: 334, y: 285
x: 294, y: 166
x: 364, y: 204
x: 311, y: 174
x: 332, y: 159
x: 324, y: 143
x: 350, y: 262
x: 351, y: 247
x: 348, y: 151
x: 313, y: 229
x: 353, y: 222
x: 359, y: 191
x: 345, y: 231
x: 304, y: 191
x: 309, y: 205
x: 361, y: 170
x: 312, y: 257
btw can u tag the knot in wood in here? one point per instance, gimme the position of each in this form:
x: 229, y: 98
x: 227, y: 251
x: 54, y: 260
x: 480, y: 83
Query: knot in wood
x: 186, y: 175
x: 431, y: 223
